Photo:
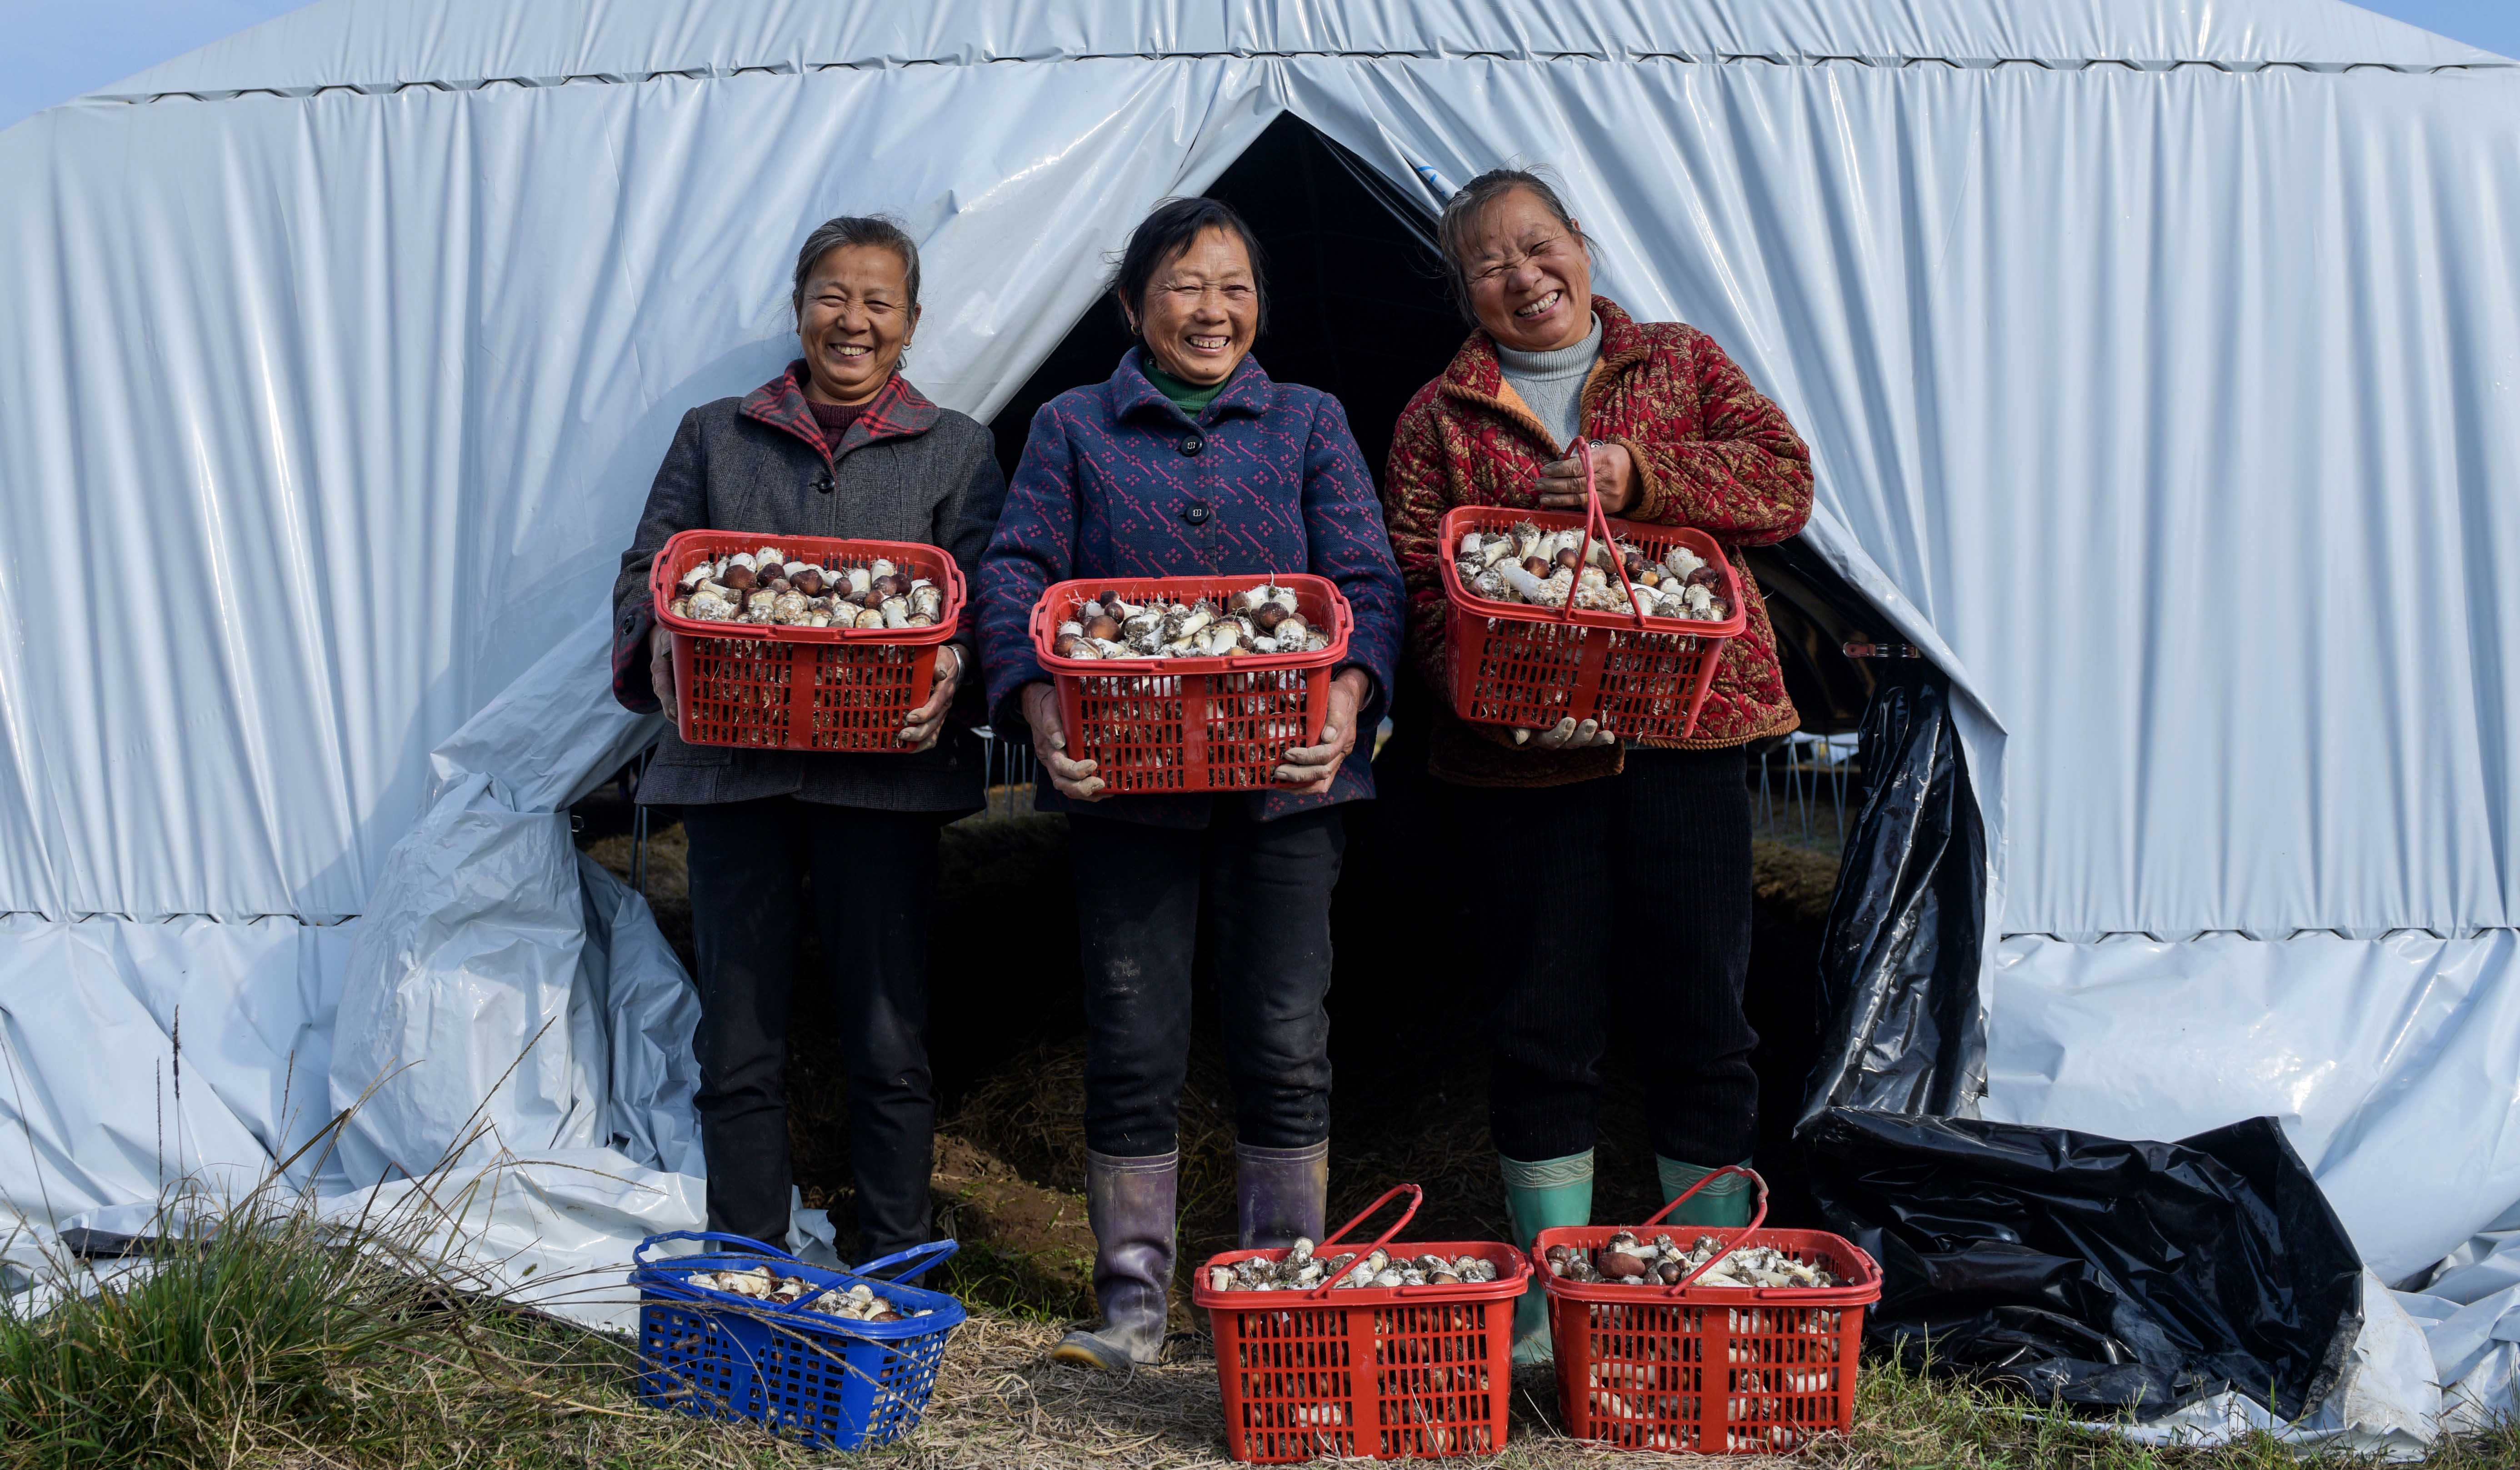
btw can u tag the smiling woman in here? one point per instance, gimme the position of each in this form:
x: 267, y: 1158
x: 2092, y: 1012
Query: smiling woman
x: 1190, y: 287
x: 838, y: 445
x: 857, y: 305
x: 1650, y: 877
x: 1189, y: 460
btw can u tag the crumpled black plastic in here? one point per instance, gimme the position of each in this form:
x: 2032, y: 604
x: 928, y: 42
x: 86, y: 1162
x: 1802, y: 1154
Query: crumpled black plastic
x: 2103, y: 1274
x: 1899, y: 963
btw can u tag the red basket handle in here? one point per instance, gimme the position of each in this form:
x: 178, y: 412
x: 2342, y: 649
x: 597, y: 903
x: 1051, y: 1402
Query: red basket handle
x: 1594, y: 516
x: 1417, y: 1197
x: 1756, y: 1216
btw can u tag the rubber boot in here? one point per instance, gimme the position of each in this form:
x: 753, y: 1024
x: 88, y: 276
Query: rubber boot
x: 1545, y: 1196
x: 1130, y: 1203
x: 1280, y: 1193
x: 1723, y: 1204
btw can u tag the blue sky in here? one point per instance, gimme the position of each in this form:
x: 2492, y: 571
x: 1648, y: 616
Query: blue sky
x: 53, y: 50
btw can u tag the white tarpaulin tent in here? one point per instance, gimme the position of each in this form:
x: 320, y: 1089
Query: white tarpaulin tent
x: 2158, y: 356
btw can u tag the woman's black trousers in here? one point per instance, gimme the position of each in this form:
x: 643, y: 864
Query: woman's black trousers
x: 1264, y: 888
x: 1615, y: 906
x: 872, y: 876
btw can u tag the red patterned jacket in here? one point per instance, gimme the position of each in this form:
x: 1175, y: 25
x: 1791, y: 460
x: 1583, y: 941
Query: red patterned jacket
x: 1710, y: 451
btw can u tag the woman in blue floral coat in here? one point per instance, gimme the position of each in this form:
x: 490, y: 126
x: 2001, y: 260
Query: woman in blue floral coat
x: 1189, y: 461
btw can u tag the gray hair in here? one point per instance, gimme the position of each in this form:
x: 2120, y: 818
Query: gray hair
x: 1462, y: 214
x: 856, y: 230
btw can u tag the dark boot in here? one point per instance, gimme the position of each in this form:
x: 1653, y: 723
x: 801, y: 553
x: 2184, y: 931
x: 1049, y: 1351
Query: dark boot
x: 1130, y: 1203
x: 1281, y: 1194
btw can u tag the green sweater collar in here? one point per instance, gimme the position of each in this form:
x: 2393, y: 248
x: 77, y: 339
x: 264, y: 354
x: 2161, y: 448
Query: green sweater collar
x: 1190, y: 398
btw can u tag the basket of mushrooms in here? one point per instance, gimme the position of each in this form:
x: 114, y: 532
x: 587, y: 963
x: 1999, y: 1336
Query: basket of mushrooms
x: 1556, y: 615
x: 839, y: 1359
x: 1387, y: 1352
x: 803, y: 642
x: 1190, y: 684
x: 1706, y: 1341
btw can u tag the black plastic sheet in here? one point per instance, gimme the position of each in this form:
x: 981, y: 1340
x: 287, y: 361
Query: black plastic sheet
x: 1899, y: 967
x: 2103, y: 1274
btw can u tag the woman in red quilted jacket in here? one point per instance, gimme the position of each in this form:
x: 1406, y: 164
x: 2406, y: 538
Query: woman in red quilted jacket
x: 1619, y: 872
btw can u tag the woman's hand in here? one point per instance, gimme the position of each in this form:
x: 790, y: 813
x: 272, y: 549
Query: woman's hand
x: 1568, y: 734
x: 927, y: 720
x: 1073, y: 780
x: 1308, y: 769
x: 660, y: 668
x: 1614, y: 474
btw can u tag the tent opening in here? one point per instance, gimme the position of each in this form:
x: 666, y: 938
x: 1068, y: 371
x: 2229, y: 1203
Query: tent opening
x: 1357, y: 305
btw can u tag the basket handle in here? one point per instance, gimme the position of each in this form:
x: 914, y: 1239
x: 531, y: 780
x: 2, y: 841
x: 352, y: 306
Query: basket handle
x: 1596, y: 516
x: 639, y: 1257
x: 1417, y: 1197
x: 935, y: 1251
x: 1757, y: 1215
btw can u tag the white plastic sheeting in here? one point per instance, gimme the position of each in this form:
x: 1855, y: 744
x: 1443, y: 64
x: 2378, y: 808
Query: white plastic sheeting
x: 503, y: 978
x: 2157, y: 356
x: 99, y: 1105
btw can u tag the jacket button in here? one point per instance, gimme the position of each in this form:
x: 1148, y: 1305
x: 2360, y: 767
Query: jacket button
x: 1192, y: 444
x: 1196, y: 513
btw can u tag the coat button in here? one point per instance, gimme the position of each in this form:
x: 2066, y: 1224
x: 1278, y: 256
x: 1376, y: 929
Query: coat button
x: 1196, y: 513
x: 1192, y: 444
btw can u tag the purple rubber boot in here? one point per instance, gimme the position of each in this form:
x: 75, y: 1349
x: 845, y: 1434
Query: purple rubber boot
x: 1130, y: 1203
x: 1281, y: 1193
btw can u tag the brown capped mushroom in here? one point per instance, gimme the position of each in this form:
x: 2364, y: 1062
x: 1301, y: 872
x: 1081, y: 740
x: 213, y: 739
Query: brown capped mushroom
x: 810, y: 581
x: 1103, y: 626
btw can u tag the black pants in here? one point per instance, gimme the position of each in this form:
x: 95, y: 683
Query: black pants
x: 873, y: 876
x: 1619, y: 906
x: 1266, y: 888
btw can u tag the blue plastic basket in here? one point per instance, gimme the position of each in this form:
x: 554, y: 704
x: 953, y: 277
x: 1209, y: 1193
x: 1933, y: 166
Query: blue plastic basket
x: 828, y: 1383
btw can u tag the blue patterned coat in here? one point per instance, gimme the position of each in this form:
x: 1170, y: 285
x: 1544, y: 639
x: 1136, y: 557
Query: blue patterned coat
x: 1116, y: 481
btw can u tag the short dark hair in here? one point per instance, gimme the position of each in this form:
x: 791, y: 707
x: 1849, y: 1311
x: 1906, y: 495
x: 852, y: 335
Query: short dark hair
x: 856, y: 230
x: 1168, y: 229
x: 1463, y: 211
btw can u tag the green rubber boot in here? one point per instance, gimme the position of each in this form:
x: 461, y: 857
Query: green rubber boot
x: 1723, y: 1204
x: 1545, y: 1196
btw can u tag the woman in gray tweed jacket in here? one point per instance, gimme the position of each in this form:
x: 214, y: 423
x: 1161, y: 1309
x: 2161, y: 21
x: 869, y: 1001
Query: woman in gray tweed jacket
x: 838, y: 445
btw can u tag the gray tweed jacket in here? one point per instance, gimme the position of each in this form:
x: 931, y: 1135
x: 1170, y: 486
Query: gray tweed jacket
x: 907, y: 470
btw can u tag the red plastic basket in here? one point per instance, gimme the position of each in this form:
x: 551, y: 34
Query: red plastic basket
x: 1644, y: 677
x: 801, y: 689
x: 1191, y: 723
x: 1710, y: 1369
x: 1399, y: 1372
